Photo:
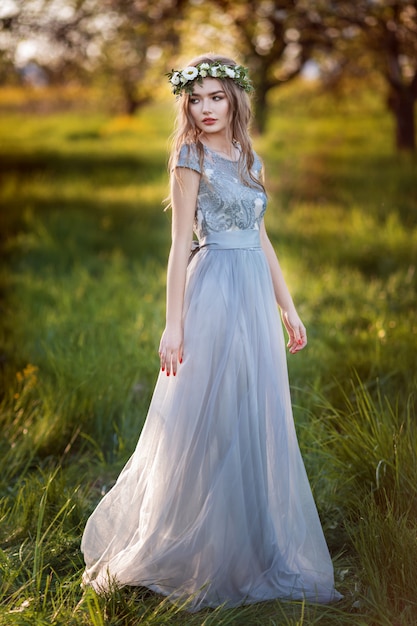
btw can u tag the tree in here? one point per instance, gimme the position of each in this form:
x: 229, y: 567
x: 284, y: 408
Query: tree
x: 379, y: 36
x: 347, y: 37
x: 276, y: 39
x: 147, y: 35
x: 128, y: 43
x: 118, y: 41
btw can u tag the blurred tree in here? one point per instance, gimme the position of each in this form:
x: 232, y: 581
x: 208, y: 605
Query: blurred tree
x: 276, y: 39
x: 127, y: 43
x: 147, y: 35
x: 113, y: 41
x: 206, y: 28
x: 377, y: 36
x: 56, y: 35
x: 347, y: 37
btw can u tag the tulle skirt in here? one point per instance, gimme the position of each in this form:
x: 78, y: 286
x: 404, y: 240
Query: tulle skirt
x: 214, y: 505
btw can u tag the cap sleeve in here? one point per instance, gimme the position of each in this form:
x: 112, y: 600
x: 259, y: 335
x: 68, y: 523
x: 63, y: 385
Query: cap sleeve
x: 188, y: 157
x: 257, y: 165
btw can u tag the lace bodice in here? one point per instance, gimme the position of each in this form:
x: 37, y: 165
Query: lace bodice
x: 223, y: 201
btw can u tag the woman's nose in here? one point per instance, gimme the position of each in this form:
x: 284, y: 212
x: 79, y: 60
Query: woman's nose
x: 206, y: 106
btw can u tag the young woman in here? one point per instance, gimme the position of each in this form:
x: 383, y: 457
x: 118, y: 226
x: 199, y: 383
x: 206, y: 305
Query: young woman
x: 214, y: 506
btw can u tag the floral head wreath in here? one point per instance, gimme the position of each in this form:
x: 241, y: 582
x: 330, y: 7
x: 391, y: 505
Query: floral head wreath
x: 183, y: 80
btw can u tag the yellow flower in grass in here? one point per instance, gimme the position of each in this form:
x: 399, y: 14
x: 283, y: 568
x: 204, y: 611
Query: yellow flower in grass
x: 27, y: 379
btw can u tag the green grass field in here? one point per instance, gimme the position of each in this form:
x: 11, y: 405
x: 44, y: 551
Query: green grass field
x: 84, y: 241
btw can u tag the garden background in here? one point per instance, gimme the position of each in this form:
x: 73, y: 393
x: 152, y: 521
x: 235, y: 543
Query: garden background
x: 84, y: 242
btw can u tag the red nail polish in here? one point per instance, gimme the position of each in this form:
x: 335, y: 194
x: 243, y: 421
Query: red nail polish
x: 180, y: 360
x: 175, y: 373
x: 163, y: 369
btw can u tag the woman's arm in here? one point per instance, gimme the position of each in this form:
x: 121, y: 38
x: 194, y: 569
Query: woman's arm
x: 184, y: 190
x: 295, y: 328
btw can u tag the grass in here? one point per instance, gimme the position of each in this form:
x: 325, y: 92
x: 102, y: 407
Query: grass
x: 84, y: 241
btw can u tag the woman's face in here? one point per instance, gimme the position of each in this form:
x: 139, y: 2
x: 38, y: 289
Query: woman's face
x: 209, y: 107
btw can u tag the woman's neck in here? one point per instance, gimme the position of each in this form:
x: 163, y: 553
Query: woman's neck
x: 221, y: 144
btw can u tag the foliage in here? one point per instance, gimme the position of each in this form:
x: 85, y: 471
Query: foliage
x: 115, y: 44
x: 378, y: 36
x: 276, y: 40
x: 126, y: 47
x: 85, y: 241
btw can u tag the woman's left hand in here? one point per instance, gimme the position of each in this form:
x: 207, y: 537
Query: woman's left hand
x: 296, y: 331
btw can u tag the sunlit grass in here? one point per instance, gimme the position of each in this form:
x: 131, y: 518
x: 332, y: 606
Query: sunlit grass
x: 85, y: 241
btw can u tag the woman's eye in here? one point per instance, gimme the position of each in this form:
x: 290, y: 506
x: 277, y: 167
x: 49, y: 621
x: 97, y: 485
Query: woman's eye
x: 217, y: 98
x: 193, y: 100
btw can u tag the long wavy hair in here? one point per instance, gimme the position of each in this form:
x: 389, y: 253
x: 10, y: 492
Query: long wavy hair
x: 240, y: 114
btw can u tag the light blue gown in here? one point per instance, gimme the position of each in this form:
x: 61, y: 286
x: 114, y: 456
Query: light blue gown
x: 215, y: 505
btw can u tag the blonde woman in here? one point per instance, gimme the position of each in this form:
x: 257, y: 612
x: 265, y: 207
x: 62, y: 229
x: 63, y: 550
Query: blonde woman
x: 214, y: 507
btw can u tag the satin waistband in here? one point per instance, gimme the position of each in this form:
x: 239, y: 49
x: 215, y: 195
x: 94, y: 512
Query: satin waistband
x: 231, y: 240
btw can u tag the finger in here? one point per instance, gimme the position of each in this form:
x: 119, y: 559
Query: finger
x: 298, y: 339
x: 162, y: 358
x: 301, y: 342
x: 174, y: 363
x: 303, y: 337
x: 291, y: 343
x: 291, y: 337
x: 300, y: 334
x: 168, y: 363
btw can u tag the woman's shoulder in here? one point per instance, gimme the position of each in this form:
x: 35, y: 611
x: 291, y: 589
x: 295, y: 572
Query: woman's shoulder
x: 257, y: 163
x: 188, y: 156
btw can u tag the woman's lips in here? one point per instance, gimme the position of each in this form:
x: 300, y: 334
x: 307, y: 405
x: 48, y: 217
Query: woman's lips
x: 209, y: 121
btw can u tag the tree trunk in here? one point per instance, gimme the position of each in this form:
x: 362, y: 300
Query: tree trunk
x: 133, y: 101
x: 131, y: 105
x: 401, y: 102
x: 261, y: 109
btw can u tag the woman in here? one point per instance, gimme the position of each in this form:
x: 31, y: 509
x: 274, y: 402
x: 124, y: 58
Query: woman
x: 214, y: 506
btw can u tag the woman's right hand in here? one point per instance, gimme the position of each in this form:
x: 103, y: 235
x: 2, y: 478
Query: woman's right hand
x: 171, y: 349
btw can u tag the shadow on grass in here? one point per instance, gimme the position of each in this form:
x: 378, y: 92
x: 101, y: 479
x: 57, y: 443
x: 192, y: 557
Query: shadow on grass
x: 61, y: 198
x: 115, y: 167
x: 378, y: 185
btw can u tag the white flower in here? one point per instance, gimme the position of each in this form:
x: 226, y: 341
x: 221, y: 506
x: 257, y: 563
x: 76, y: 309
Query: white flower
x: 182, y: 80
x: 189, y: 73
x: 175, y: 78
